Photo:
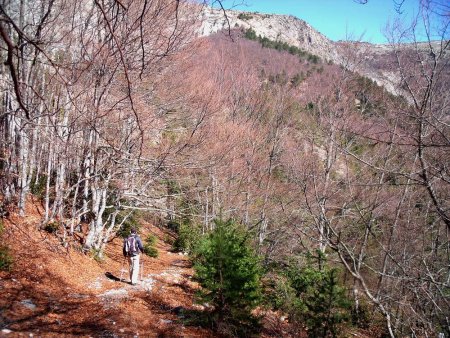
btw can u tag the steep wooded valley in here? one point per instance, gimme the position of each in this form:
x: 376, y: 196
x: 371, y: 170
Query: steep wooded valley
x: 284, y: 185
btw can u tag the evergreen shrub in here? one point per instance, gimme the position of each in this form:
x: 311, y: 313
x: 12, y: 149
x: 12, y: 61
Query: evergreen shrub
x: 37, y: 187
x: 51, y: 227
x: 244, y: 16
x: 229, y: 272
x: 312, y: 296
x: 6, y: 260
x: 189, y: 235
x: 150, y: 246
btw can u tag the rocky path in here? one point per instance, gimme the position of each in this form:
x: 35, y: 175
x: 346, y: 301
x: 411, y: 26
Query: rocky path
x: 53, y: 292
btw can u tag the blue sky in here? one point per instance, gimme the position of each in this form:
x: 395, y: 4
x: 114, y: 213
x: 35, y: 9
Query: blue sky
x: 337, y: 19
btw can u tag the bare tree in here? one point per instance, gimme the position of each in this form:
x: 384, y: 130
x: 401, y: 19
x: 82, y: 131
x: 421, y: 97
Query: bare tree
x: 377, y: 193
x: 77, y: 87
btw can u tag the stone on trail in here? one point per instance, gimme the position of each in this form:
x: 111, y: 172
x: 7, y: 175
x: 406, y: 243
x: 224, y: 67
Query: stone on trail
x: 114, y: 293
x: 28, y: 303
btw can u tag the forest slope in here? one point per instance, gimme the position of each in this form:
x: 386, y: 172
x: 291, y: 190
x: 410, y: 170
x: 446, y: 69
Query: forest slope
x: 340, y: 187
x: 52, y: 291
x: 55, y: 292
x: 374, y: 61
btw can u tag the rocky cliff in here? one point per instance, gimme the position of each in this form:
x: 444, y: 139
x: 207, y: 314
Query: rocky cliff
x: 286, y: 28
x: 371, y: 60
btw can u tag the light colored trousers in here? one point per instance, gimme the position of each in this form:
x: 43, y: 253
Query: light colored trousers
x: 134, y: 268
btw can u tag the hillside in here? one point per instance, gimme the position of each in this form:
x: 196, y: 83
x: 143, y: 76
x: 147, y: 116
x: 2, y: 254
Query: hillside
x: 289, y: 29
x: 53, y: 291
x: 307, y: 180
x: 369, y: 60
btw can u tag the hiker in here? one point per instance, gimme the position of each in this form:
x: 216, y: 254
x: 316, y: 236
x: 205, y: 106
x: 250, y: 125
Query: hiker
x: 132, y: 247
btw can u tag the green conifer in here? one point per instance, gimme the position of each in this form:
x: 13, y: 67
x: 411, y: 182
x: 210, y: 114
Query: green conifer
x: 229, y: 272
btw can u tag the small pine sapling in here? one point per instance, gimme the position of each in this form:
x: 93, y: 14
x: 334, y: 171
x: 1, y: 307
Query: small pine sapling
x: 229, y: 272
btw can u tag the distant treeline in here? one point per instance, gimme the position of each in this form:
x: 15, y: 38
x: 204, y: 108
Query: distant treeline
x: 281, y: 46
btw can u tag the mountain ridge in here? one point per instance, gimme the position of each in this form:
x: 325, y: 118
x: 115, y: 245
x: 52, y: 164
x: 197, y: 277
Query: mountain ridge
x: 299, y: 33
x: 272, y: 26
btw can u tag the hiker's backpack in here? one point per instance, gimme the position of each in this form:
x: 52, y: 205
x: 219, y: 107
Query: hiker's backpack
x: 130, y: 246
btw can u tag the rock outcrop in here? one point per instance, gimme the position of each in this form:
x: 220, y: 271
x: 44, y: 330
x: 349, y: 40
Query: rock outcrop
x: 370, y: 60
x: 286, y: 28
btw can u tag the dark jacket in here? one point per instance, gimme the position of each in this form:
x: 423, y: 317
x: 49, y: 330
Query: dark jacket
x: 138, y: 244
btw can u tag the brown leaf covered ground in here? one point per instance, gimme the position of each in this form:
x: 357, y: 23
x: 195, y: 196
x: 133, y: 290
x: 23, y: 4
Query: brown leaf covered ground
x: 57, y: 292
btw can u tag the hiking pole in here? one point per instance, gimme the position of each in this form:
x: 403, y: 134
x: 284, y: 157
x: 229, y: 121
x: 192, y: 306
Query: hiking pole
x: 123, y: 269
x: 142, y: 267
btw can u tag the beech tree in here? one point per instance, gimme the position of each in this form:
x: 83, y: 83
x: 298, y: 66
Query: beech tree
x: 376, y: 188
x: 110, y: 107
x: 78, y: 110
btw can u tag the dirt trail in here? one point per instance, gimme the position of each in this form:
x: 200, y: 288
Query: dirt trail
x: 55, y: 292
